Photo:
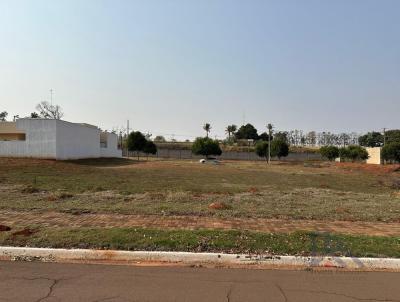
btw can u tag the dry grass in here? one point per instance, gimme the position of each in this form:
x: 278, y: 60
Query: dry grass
x: 247, y: 189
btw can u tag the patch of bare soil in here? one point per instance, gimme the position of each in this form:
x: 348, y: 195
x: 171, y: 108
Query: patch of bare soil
x: 218, y: 206
x: 57, y: 219
x: 25, y: 232
x: 373, y: 169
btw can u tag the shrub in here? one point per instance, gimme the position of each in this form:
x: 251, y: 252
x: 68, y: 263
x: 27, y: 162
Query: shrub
x: 262, y: 149
x: 136, y: 141
x: 329, y: 152
x: 206, y: 146
x: 150, y: 148
x: 391, y: 152
x: 353, y: 153
x: 279, y: 148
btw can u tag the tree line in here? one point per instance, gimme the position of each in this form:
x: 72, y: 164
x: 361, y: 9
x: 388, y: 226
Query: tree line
x: 43, y: 110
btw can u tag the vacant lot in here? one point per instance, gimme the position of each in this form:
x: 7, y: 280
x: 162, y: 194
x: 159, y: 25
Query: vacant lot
x: 234, y: 206
x: 233, y: 189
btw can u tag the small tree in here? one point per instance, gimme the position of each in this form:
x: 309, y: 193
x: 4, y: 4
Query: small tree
x: 49, y: 111
x: 150, y: 148
x: 353, y: 153
x: 279, y: 148
x: 206, y: 146
x: 329, y: 152
x: 3, y: 116
x: 34, y: 115
x: 262, y: 149
x: 159, y: 139
x: 207, y: 128
x: 136, y: 142
x: 391, y: 152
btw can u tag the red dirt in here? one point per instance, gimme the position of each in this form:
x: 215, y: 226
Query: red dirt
x: 253, y: 190
x: 373, y: 169
x: 218, y: 206
x: 25, y: 232
x: 55, y: 219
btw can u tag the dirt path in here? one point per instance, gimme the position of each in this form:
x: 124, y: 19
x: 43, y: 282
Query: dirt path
x: 56, y: 219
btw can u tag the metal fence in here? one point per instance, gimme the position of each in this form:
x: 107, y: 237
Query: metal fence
x: 227, y: 155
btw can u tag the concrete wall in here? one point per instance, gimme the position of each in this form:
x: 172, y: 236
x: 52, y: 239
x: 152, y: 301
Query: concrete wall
x: 76, y: 141
x: 56, y: 139
x: 227, y: 155
x: 374, y: 155
x: 40, y: 140
x: 111, y: 149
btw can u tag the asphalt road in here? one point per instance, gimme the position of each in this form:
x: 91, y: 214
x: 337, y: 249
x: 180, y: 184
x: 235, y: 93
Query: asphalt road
x: 50, y: 282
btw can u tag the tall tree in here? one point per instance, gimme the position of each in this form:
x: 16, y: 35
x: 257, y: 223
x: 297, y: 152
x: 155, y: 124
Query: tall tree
x: 392, y: 136
x: 371, y: 139
x: 207, y: 128
x: 230, y: 130
x: 3, y: 116
x: 247, y: 131
x: 49, y: 111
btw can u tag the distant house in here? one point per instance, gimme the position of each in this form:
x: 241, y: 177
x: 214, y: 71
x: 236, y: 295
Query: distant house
x: 55, y: 139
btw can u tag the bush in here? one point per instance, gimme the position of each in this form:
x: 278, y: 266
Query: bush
x: 206, y: 146
x: 136, y: 141
x: 150, y: 148
x: 391, y: 152
x: 279, y: 148
x: 353, y: 153
x: 329, y: 152
x: 262, y: 149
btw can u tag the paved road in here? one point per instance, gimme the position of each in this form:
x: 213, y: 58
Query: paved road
x: 50, y: 282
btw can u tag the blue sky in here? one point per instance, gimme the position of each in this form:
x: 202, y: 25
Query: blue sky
x: 170, y: 66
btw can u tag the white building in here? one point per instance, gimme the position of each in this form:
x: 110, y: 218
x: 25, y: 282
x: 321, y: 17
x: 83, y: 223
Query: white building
x: 55, y: 139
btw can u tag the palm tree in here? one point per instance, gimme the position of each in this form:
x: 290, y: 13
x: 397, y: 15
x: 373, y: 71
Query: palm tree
x: 231, y: 129
x: 207, y: 128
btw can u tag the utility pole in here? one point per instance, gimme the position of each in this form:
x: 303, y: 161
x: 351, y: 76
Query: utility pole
x: 269, y: 127
x: 127, y: 128
x: 384, y: 136
x: 51, y: 96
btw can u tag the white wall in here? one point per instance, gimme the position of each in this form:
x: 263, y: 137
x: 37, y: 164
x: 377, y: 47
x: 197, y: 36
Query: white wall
x: 76, y: 141
x: 40, y: 140
x: 56, y: 139
x: 374, y: 155
x: 112, y: 147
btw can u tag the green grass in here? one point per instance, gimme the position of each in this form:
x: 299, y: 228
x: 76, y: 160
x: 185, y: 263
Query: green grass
x: 298, y: 243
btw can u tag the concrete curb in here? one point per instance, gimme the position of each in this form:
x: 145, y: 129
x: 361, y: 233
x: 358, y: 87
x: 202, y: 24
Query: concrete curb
x: 185, y: 258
